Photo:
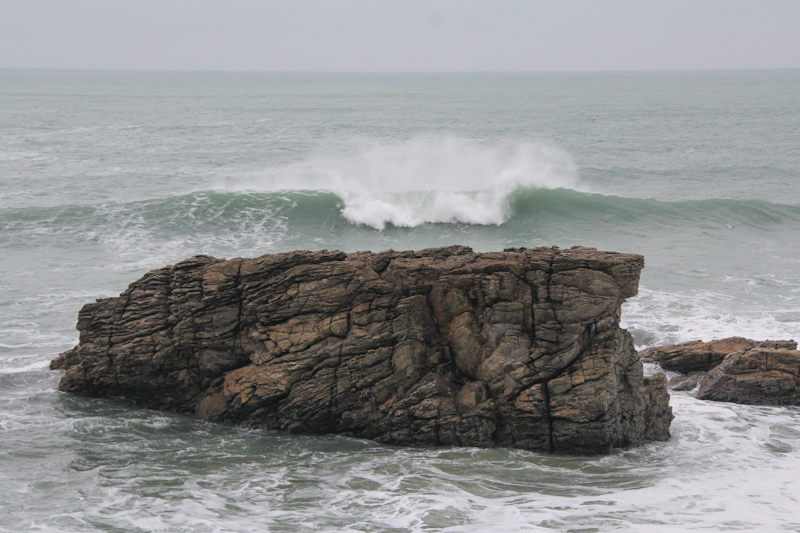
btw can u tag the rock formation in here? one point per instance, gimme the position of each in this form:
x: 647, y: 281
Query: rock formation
x: 763, y: 375
x: 695, y: 356
x: 735, y: 370
x: 520, y: 348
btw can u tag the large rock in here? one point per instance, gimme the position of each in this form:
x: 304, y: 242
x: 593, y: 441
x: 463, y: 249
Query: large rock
x: 439, y: 347
x: 764, y: 375
x: 742, y: 380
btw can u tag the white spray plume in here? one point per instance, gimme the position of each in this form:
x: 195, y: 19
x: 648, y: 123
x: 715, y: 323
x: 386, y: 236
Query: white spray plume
x: 427, y: 179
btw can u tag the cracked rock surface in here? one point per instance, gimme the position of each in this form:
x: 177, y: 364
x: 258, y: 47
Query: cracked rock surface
x: 520, y: 348
x: 763, y: 375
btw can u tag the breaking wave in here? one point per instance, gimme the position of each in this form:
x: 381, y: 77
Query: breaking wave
x: 424, y: 180
x: 213, y: 212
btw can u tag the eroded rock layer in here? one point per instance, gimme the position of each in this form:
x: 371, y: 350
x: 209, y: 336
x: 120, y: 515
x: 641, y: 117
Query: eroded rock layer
x: 520, y: 348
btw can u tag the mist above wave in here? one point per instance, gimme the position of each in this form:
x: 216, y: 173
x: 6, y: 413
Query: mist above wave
x: 424, y: 180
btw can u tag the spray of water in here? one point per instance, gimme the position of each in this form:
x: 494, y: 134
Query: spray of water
x: 424, y: 180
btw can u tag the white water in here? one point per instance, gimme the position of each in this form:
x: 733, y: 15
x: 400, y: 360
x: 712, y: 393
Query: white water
x: 658, y: 318
x: 727, y: 468
x: 425, y: 179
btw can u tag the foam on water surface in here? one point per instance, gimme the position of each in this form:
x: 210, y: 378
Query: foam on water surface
x: 727, y: 467
x: 658, y: 318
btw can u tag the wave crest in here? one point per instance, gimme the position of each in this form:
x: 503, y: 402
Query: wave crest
x: 417, y: 208
x: 425, y: 180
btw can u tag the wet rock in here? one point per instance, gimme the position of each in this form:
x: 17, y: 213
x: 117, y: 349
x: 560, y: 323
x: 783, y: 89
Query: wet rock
x: 685, y: 383
x: 695, y: 355
x: 768, y: 374
x: 520, y: 348
x: 658, y: 413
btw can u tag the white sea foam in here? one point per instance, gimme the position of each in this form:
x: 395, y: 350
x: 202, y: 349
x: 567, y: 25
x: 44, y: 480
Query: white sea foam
x: 657, y: 318
x: 414, y: 209
x: 727, y: 467
x: 426, y: 179
x: 6, y: 369
x: 28, y: 323
x: 133, y: 237
x: 29, y: 335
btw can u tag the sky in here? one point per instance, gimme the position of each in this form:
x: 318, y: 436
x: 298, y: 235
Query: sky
x: 400, y: 35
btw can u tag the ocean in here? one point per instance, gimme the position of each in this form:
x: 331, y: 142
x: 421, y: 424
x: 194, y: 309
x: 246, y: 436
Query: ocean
x: 106, y: 175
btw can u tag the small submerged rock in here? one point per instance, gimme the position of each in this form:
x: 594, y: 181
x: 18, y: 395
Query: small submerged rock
x: 520, y: 348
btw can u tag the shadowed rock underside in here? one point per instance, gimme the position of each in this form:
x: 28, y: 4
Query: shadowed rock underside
x: 520, y: 348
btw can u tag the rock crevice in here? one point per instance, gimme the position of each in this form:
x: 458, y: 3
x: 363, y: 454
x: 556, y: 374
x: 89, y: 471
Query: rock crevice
x: 520, y: 348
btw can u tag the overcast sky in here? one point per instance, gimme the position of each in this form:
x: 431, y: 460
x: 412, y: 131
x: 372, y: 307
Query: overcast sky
x: 400, y: 35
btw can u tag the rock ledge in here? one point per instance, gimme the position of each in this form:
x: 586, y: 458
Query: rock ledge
x: 735, y: 369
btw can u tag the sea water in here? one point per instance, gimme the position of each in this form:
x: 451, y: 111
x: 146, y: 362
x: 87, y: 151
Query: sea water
x: 105, y: 175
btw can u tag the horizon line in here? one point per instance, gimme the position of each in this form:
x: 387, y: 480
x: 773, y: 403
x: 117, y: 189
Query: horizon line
x: 392, y: 72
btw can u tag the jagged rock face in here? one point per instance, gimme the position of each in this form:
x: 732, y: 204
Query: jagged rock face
x: 440, y: 347
x: 764, y: 375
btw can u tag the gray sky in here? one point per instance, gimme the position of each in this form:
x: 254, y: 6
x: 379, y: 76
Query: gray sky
x: 400, y: 35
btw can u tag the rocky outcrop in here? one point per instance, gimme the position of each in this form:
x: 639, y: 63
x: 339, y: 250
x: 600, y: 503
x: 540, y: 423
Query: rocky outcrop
x: 695, y: 356
x: 735, y: 370
x: 763, y: 375
x: 520, y: 348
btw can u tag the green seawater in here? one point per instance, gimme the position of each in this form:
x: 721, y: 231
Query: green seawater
x: 105, y: 175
